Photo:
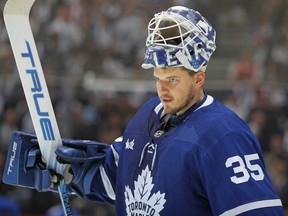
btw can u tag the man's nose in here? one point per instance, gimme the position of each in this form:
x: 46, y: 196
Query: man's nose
x: 162, y: 85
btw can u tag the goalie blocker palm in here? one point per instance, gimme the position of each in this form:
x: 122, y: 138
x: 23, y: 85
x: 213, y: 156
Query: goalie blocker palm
x: 25, y: 168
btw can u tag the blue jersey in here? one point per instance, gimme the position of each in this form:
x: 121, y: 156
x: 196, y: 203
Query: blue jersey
x: 205, y: 162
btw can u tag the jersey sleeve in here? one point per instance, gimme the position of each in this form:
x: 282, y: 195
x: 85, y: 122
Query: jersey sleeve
x: 104, y: 182
x: 234, y: 177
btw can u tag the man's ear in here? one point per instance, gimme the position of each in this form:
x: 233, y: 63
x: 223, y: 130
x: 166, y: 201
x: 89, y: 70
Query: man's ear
x: 200, y: 78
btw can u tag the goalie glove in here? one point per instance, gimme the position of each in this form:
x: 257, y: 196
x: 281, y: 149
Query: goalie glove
x: 24, y: 166
x: 84, y: 158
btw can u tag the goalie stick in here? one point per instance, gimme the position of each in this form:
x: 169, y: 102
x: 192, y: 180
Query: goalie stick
x: 16, y: 17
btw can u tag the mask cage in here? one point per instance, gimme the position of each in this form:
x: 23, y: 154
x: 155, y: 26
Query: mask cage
x: 169, y: 30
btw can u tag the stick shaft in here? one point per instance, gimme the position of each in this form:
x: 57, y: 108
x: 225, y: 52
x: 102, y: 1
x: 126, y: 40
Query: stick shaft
x: 16, y: 17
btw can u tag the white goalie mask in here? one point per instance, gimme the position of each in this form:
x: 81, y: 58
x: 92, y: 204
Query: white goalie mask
x: 179, y: 37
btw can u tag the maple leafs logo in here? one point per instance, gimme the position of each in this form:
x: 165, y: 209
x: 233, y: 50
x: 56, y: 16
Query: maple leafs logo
x: 141, y: 202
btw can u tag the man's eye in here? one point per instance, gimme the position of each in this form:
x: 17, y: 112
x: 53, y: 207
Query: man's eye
x: 156, y: 79
x: 173, y: 80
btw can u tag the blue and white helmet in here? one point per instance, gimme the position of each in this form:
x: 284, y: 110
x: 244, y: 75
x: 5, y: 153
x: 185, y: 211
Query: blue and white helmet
x: 179, y: 37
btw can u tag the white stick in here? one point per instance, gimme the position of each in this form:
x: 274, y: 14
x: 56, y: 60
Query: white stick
x: 16, y: 17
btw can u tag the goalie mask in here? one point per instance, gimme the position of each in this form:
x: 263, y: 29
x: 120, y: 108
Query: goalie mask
x: 179, y: 37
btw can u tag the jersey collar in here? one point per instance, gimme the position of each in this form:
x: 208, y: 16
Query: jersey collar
x: 173, y: 120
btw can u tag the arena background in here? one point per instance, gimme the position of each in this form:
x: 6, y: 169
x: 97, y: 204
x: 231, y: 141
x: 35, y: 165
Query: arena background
x: 91, y: 53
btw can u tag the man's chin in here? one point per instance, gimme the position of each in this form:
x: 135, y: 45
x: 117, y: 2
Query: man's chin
x: 169, y: 110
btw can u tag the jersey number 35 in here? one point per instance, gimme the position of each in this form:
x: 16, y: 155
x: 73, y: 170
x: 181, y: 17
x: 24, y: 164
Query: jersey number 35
x: 244, y: 168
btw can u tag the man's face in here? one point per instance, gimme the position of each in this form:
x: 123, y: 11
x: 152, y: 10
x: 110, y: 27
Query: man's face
x: 177, y: 89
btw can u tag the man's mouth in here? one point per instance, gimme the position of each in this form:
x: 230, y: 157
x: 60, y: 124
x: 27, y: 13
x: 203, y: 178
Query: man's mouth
x: 166, y: 100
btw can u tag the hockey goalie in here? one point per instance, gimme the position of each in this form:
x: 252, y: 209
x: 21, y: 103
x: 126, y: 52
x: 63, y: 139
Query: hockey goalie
x: 183, y: 153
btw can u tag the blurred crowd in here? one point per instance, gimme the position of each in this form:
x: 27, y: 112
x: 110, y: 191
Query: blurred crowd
x: 105, y: 39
